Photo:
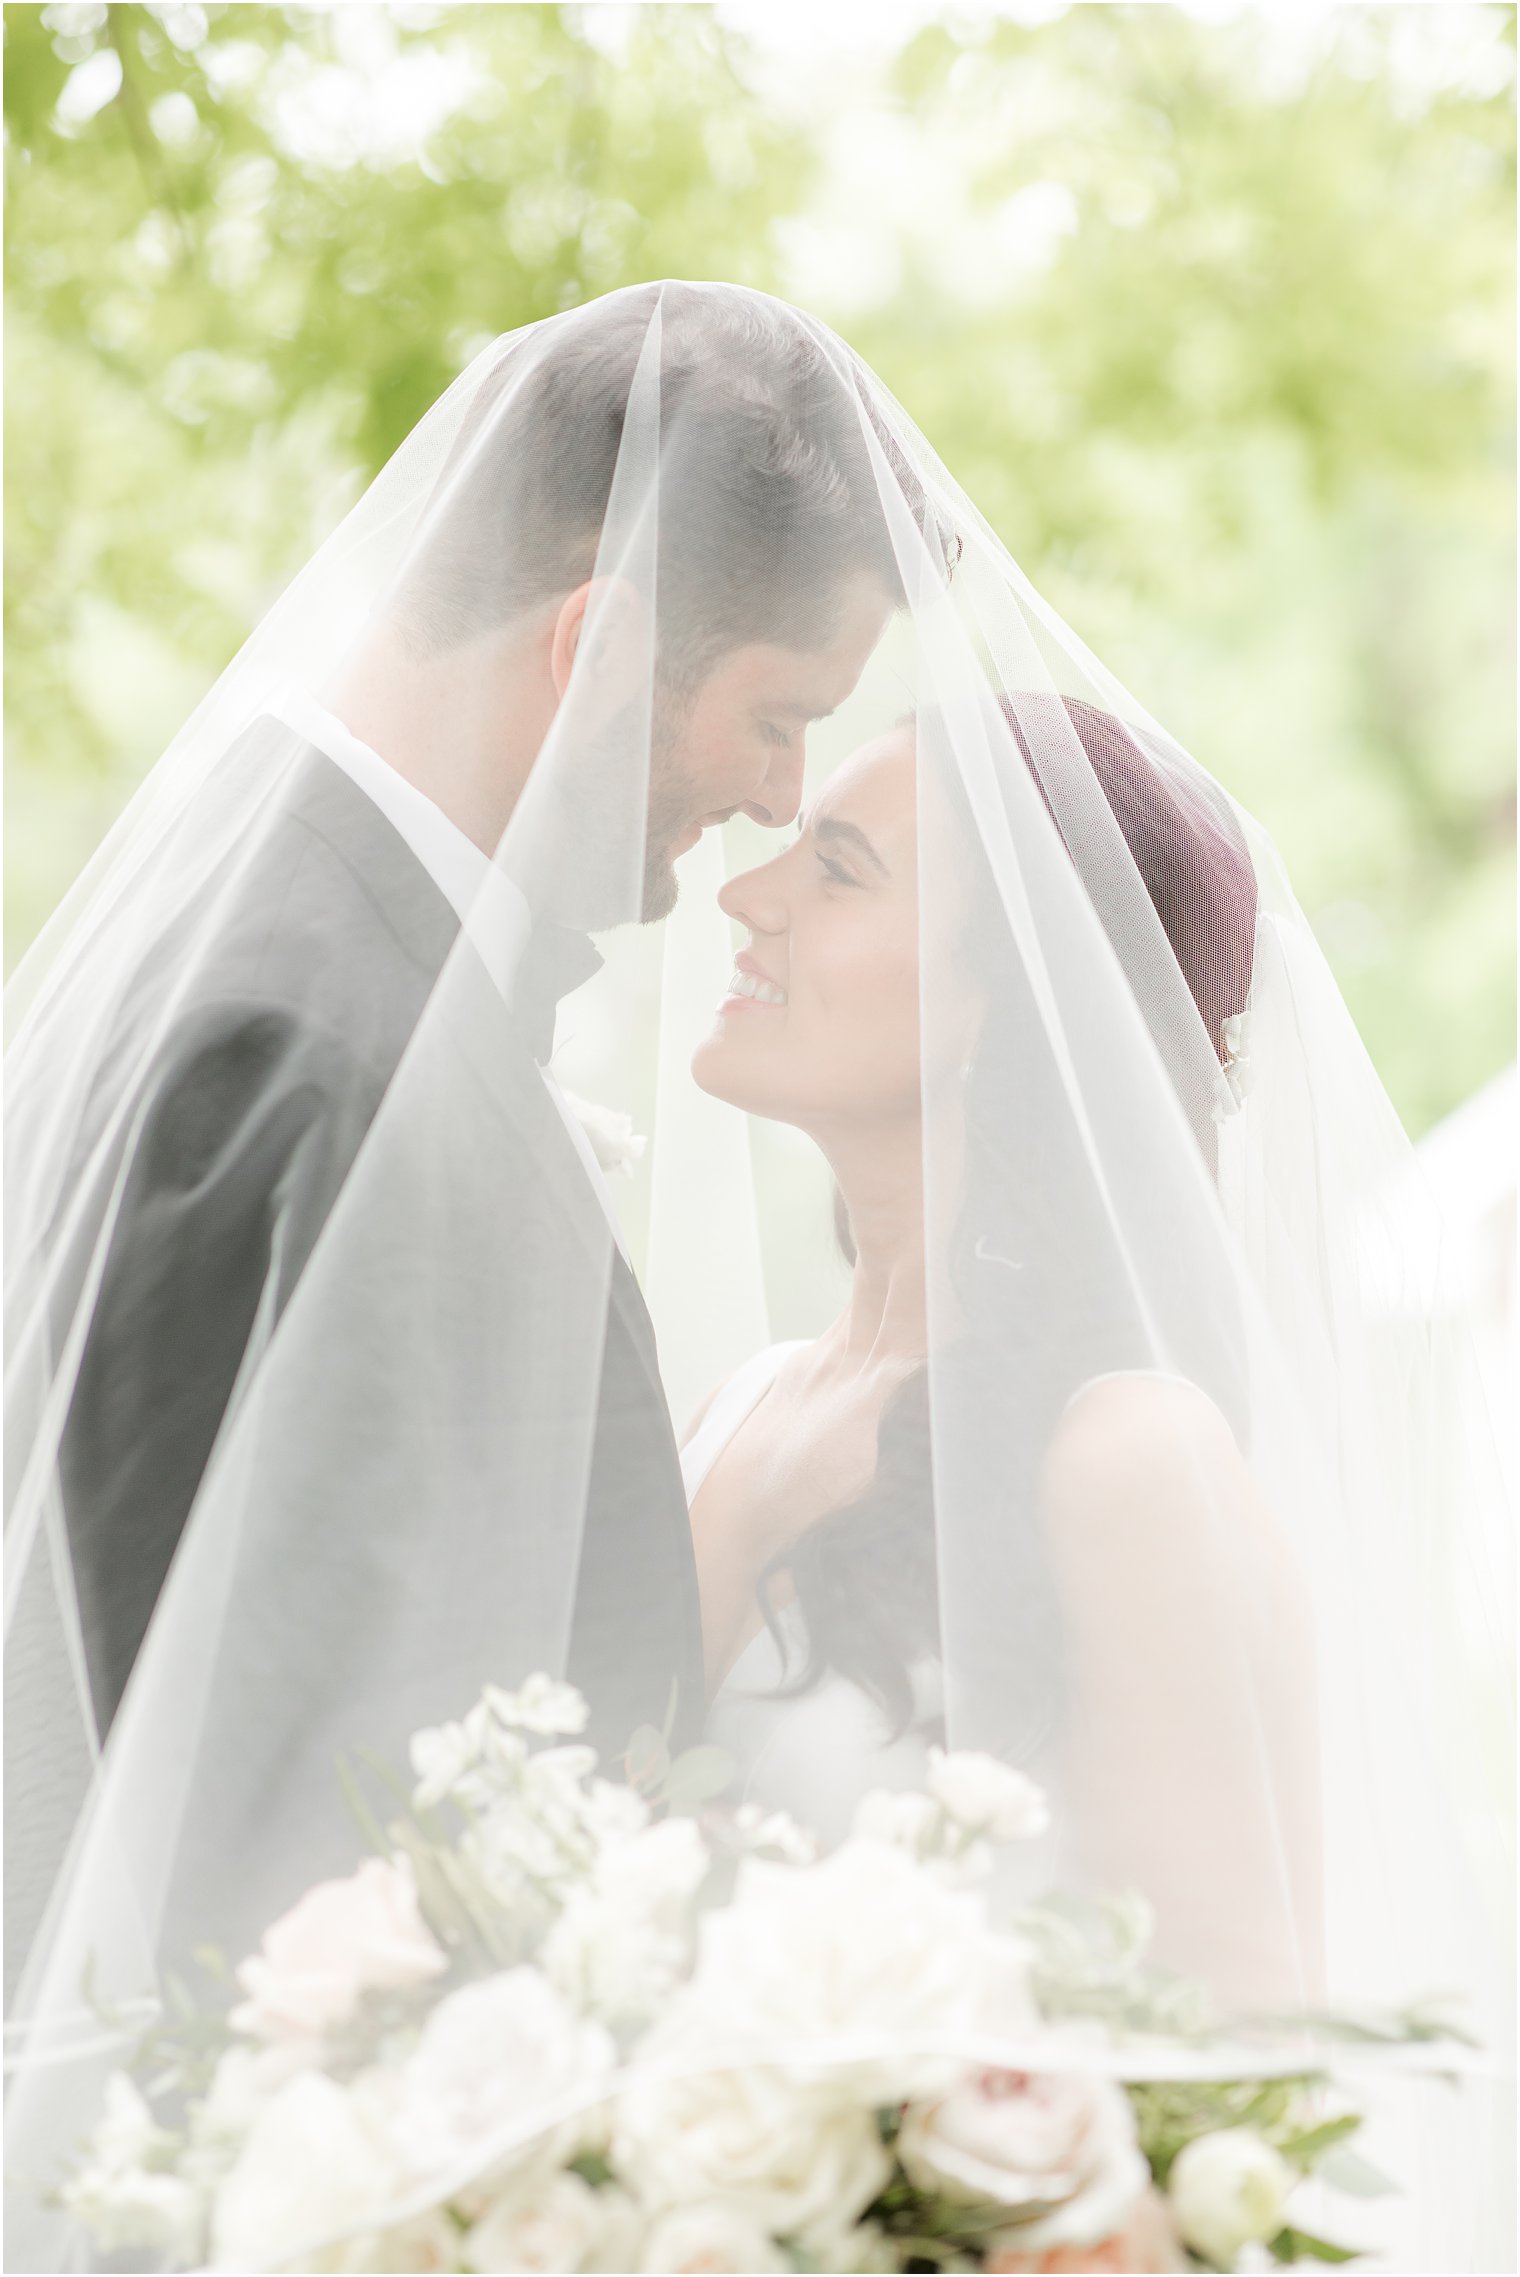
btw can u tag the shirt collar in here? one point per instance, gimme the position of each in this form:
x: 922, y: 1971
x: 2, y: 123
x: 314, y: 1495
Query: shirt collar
x: 482, y: 897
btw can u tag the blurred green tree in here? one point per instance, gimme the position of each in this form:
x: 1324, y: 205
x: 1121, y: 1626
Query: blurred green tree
x: 1249, y: 424
x: 234, y: 286
x: 1219, y: 337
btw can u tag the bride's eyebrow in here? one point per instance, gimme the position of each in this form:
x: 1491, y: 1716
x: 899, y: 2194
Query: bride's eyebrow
x: 851, y: 834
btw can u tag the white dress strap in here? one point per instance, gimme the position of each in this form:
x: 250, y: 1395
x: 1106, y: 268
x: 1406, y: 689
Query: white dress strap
x: 731, y: 1404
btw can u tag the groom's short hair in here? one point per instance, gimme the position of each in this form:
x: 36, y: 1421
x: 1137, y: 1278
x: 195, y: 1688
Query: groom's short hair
x: 768, y: 501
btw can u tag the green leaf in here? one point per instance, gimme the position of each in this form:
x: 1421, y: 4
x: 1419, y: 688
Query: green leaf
x: 1347, y: 2170
x: 1303, y: 2150
x: 592, y: 2167
x: 180, y: 1995
x: 1298, y: 2245
x: 646, y: 1760
x: 697, y: 1777
x: 359, y: 1810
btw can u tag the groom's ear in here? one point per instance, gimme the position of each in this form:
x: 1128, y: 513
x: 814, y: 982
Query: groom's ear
x: 603, y: 630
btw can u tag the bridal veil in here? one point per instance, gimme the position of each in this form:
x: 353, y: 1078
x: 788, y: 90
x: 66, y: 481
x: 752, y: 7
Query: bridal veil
x: 1180, y: 1324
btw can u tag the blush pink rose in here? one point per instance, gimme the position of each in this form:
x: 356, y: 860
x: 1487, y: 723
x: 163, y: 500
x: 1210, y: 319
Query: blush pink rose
x: 1147, y: 2243
x: 342, y: 1940
x: 1060, y: 2149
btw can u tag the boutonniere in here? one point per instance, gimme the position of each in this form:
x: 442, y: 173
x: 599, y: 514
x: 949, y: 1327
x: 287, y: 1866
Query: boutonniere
x: 1235, y: 1034
x: 614, y: 1141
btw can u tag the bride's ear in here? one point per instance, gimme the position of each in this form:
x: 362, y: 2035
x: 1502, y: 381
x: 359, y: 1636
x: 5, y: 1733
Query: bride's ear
x: 601, y: 633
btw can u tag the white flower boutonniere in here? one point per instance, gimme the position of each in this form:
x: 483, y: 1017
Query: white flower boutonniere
x: 1235, y: 1035
x: 614, y: 1141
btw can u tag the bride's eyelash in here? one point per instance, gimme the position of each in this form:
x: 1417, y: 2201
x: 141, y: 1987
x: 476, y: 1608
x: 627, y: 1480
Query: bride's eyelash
x: 832, y: 869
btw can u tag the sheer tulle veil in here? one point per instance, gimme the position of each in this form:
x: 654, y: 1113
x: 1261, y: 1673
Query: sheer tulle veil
x: 1156, y: 1161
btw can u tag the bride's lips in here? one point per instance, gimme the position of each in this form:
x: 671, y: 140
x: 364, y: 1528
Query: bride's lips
x: 752, y: 989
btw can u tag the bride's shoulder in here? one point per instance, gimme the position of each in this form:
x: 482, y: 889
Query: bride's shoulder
x: 1134, y: 1438
x: 1156, y: 1524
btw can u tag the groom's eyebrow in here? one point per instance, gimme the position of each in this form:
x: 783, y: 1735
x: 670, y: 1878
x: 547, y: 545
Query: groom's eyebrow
x: 804, y: 713
x: 829, y: 827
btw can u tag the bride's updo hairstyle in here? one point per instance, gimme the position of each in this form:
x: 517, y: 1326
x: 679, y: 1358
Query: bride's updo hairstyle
x: 866, y: 1576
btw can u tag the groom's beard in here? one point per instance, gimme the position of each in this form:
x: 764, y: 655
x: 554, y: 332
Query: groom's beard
x: 675, y: 805
x: 596, y: 812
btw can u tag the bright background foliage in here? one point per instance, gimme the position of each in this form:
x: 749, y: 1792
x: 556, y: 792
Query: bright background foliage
x: 1210, y: 310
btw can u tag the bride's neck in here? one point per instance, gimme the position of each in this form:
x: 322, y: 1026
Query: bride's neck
x: 881, y: 1180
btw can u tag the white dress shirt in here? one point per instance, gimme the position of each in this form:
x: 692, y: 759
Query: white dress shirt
x: 475, y: 889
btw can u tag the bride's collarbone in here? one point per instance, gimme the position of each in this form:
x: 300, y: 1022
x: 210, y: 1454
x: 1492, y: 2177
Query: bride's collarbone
x: 802, y: 1452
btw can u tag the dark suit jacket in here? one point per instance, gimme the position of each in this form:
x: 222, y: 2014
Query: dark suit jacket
x: 267, y: 1067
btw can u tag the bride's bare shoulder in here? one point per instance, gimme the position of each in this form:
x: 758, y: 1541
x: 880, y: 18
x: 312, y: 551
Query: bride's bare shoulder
x: 1136, y: 1451
x: 1140, y: 1414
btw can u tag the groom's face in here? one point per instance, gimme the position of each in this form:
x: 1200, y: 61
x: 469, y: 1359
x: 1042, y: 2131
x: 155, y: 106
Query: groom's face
x: 736, y: 743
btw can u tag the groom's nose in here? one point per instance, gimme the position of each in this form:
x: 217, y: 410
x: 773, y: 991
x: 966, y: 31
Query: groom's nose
x: 777, y: 799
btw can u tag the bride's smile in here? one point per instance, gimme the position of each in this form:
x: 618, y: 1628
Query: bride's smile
x: 819, y: 1023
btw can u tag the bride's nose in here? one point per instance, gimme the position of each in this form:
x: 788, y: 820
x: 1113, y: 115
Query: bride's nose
x: 755, y: 899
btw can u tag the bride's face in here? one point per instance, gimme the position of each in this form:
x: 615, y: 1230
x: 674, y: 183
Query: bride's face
x: 819, y: 1025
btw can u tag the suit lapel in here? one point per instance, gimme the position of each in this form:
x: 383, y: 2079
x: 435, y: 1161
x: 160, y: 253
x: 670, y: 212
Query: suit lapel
x: 482, y: 1027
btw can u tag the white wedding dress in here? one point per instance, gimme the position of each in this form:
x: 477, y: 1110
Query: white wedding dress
x: 814, y: 1753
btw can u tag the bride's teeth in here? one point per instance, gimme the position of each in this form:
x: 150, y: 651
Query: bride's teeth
x: 760, y: 991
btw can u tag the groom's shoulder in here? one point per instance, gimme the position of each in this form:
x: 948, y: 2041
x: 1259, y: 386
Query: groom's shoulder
x: 315, y: 922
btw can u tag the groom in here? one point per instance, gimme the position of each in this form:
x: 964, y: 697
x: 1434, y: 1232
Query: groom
x: 270, y: 1063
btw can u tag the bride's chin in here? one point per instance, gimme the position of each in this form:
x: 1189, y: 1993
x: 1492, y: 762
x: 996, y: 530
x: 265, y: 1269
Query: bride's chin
x: 713, y: 1070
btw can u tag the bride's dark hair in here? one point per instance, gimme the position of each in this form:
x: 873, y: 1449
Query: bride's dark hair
x: 866, y: 1576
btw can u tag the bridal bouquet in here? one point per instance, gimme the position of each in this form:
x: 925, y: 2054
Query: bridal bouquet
x: 561, y: 2022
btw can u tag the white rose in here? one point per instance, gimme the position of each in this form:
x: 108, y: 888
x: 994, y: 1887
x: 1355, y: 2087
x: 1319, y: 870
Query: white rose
x: 427, y: 2244
x: 904, y: 1816
x: 1228, y: 2190
x: 120, y: 2194
x: 443, y: 1757
x: 343, y: 1939
x: 622, y: 1941
x: 660, y: 1867
x: 509, y: 1848
x: 611, y: 1963
x: 542, y: 1705
x: 613, y: 1812
x: 761, y: 1829
x: 309, y: 2166
x: 1062, y: 2143
x: 547, y: 2221
x: 554, y: 1780
x: 491, y: 2060
x: 244, y: 2080
x: 710, y: 2238
x: 986, y: 1796
x: 749, y: 2139
x: 867, y: 1942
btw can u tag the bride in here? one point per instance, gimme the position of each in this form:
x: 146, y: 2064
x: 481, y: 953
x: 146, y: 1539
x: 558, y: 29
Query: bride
x: 810, y: 1473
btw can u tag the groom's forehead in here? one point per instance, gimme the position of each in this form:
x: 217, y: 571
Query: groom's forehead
x: 793, y: 684
x: 810, y: 683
